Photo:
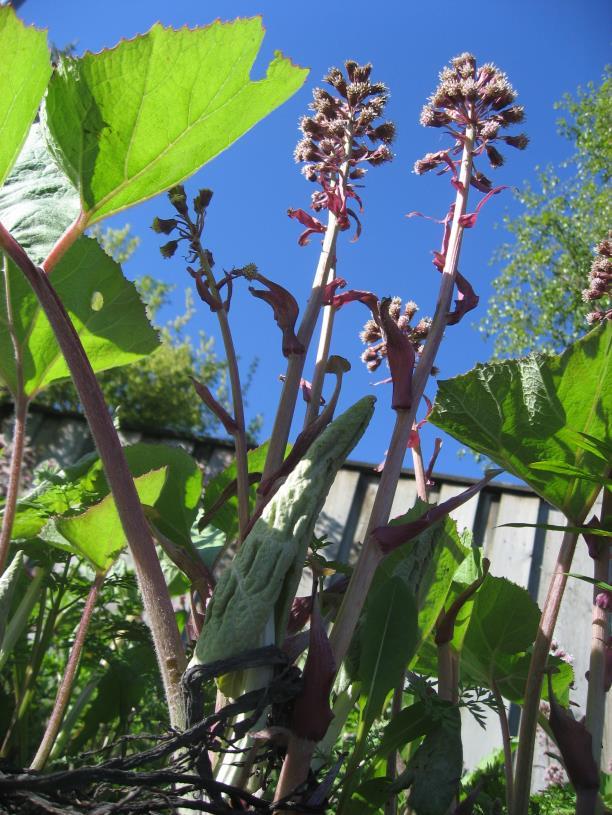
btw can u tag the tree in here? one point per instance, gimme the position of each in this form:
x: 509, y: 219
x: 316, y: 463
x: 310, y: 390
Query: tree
x: 538, y: 299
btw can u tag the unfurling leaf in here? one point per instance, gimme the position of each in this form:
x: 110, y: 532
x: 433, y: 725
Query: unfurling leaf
x: 263, y: 577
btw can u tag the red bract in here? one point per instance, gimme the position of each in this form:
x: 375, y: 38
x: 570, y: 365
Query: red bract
x: 467, y: 300
x: 355, y: 295
x: 285, y: 308
x: 401, y: 357
x: 414, y: 433
x: 228, y: 422
x: 312, y: 712
x: 468, y: 220
x: 392, y: 536
x: 313, y: 225
x: 330, y: 290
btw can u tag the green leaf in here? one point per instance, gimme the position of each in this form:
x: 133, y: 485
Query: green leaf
x: 37, y: 201
x: 434, y: 771
x: 502, y: 628
x: 226, y: 517
x: 25, y: 69
x: 426, y: 563
x: 409, y: 724
x: 388, y: 635
x: 132, y: 121
x: 549, y: 466
x: 578, y: 530
x: 116, y: 334
x: 599, y: 584
x: 517, y: 412
x: 97, y: 534
x: 369, y: 798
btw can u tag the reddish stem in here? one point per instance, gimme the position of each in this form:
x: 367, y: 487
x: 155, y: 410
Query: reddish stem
x: 157, y: 603
x: 65, y: 689
x: 12, y: 492
x: 539, y: 657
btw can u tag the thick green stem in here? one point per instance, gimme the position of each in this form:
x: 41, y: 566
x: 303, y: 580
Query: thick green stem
x: 539, y: 657
x: 596, y: 694
x: 156, y: 599
x: 65, y: 689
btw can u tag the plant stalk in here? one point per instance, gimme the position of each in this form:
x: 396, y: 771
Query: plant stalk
x: 539, y: 657
x: 316, y: 391
x: 448, y: 673
x: 596, y: 693
x: 295, y: 364
x: 240, y: 440
x: 19, y: 429
x: 371, y: 554
x: 65, y: 689
x: 156, y: 599
x: 419, y: 471
x: 14, y: 480
x: 507, y: 743
x: 299, y: 755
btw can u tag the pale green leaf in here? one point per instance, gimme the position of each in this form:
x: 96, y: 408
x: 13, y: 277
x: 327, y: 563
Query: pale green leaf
x: 37, y: 201
x: 116, y: 334
x: 25, y: 69
x: 517, y: 412
x: 132, y: 121
x: 97, y: 534
x: 8, y: 582
x: 261, y: 581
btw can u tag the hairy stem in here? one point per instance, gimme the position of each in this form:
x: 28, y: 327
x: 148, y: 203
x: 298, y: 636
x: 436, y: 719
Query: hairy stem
x: 19, y: 428
x: 240, y: 440
x: 396, y: 706
x: 64, y: 242
x: 596, y: 694
x: 12, y: 492
x: 371, y: 554
x: 539, y: 656
x: 157, y: 603
x: 327, y: 326
x: 448, y: 673
x: 295, y: 364
x: 419, y: 471
x: 507, y: 742
x: 65, y: 689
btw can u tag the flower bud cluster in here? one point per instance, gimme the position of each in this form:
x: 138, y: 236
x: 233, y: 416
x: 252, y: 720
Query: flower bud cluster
x: 374, y: 337
x: 600, y: 281
x: 481, y: 98
x: 342, y: 135
x: 183, y: 226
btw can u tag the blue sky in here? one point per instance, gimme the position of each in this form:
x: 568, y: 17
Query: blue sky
x: 546, y: 47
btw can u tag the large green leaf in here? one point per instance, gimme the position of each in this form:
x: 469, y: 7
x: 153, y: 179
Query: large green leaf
x: 105, y: 310
x: 132, y: 121
x: 37, y: 201
x: 388, y: 638
x: 84, y: 484
x: 97, y: 534
x: 518, y: 412
x: 502, y: 628
x: 25, y: 69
